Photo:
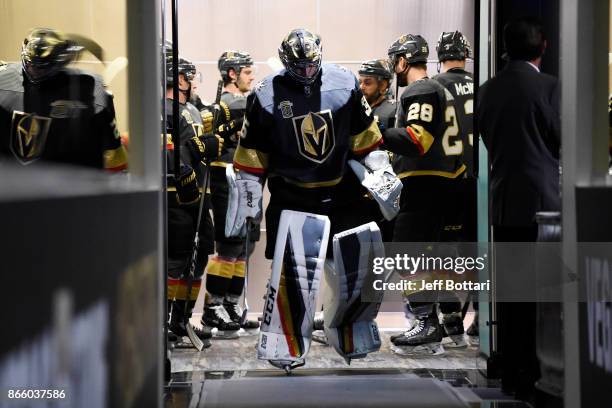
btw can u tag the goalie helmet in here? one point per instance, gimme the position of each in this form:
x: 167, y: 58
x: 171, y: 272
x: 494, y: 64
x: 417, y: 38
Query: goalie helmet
x: 235, y: 60
x: 413, y: 47
x: 301, y: 53
x: 376, y: 68
x: 45, y: 52
x: 453, y: 46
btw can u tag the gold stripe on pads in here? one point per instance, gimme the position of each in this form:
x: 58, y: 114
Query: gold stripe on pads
x: 116, y: 159
x: 286, y: 319
x: 250, y: 159
x: 347, y: 331
x: 366, y: 140
x: 220, y: 268
x: 239, y: 269
x: 438, y: 173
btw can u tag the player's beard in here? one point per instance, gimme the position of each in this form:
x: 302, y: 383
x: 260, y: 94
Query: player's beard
x: 186, y: 93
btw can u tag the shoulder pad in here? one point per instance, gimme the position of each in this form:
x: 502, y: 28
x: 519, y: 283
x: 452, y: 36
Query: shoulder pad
x: 11, y: 78
x: 234, y: 102
x: 193, y: 112
x: 102, y: 98
x: 187, y: 116
x: 264, y: 91
x: 336, y: 77
x: 427, y: 86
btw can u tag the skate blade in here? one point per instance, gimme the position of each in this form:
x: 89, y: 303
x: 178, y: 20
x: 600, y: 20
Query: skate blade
x: 287, y: 365
x: 225, y: 334
x: 474, y: 340
x: 456, y: 341
x: 431, y: 349
x: 193, y: 337
x: 248, y: 332
x: 185, y: 343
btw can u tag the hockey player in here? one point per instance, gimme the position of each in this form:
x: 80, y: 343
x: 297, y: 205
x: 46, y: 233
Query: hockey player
x: 374, y: 80
x: 50, y: 112
x: 183, y: 202
x: 225, y: 273
x: 302, y: 127
x: 453, y: 49
x: 428, y: 159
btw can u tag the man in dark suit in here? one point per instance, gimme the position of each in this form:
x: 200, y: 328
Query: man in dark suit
x: 518, y: 118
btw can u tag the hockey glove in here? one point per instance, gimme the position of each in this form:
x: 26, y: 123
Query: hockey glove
x: 230, y: 130
x: 378, y: 177
x: 206, y: 147
x: 207, y: 121
x: 187, y: 191
x: 244, y: 201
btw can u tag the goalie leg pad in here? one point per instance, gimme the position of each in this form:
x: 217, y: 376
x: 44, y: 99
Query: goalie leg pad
x: 349, y: 319
x: 299, y: 255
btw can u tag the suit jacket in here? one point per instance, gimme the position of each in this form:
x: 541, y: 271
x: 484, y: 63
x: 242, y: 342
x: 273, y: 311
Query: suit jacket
x: 518, y: 118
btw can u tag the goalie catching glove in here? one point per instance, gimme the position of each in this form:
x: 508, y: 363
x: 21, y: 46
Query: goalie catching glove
x: 244, y: 201
x: 378, y: 177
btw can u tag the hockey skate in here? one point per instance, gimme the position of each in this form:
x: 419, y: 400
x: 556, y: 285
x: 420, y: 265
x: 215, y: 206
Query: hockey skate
x: 318, y: 333
x: 216, y: 317
x: 424, y: 338
x: 177, y: 327
x: 453, y: 327
x: 249, y: 327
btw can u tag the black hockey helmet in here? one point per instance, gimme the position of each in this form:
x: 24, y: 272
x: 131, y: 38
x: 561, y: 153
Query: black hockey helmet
x: 45, y: 51
x: 413, y: 47
x: 301, y: 54
x: 376, y: 68
x: 235, y: 60
x: 185, y: 67
x: 453, y: 46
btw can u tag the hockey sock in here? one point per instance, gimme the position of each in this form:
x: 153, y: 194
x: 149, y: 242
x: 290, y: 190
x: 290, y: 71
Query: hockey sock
x: 237, y: 283
x: 219, y: 278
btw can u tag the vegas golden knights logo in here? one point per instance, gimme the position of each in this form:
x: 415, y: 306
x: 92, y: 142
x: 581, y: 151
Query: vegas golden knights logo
x: 315, y: 135
x: 28, y: 136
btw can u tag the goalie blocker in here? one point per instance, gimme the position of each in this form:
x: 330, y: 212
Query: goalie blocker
x: 299, y: 257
